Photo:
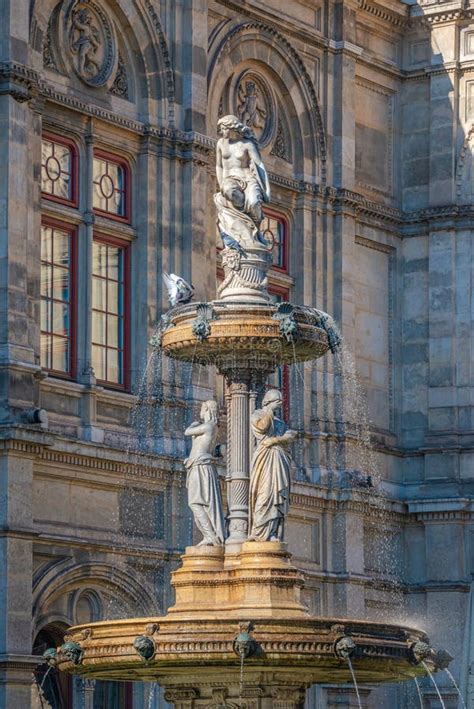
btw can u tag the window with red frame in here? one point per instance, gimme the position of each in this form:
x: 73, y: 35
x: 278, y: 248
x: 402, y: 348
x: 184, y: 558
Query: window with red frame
x: 275, y: 230
x: 58, y: 169
x: 111, y: 190
x: 109, y: 268
x: 57, y: 268
x: 281, y: 378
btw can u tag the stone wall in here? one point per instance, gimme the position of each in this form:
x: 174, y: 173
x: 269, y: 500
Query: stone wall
x: 367, y: 134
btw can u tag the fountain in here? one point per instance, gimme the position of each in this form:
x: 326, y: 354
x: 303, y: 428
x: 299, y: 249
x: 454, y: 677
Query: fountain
x: 239, y: 634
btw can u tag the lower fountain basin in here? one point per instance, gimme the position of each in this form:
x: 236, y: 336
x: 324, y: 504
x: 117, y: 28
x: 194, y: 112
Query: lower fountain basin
x: 304, y: 647
x: 198, y: 644
x: 236, y: 334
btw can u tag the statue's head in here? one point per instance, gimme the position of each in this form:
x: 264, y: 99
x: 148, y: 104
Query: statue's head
x: 84, y: 17
x: 228, y: 124
x: 272, y: 399
x: 209, y: 411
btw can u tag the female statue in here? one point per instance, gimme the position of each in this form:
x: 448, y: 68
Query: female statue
x: 204, y: 493
x: 270, y: 474
x: 243, y: 181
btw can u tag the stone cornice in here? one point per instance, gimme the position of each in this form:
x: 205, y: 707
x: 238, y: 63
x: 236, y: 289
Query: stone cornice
x: 437, y: 13
x: 396, y: 17
x: 18, y: 80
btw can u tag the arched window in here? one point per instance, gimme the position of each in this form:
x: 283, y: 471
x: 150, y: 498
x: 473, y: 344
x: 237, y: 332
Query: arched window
x: 59, y: 169
x: 275, y: 230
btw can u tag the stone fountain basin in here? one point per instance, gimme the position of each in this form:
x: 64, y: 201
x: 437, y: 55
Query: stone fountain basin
x: 242, y: 334
x: 217, y: 592
x: 302, y: 647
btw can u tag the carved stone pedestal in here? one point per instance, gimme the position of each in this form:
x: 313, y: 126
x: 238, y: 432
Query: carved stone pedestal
x: 258, y: 581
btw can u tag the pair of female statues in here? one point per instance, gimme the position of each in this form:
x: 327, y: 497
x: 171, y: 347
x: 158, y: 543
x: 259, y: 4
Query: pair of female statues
x: 269, y: 478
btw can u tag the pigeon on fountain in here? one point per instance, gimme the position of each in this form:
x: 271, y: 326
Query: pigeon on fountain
x: 179, y: 290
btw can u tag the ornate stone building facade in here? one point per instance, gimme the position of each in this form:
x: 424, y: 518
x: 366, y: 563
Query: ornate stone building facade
x: 364, y: 110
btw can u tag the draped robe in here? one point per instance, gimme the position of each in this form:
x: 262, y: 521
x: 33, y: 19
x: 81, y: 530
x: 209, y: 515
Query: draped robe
x: 270, y: 479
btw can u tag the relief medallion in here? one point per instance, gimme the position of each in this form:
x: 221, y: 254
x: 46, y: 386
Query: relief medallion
x: 88, y: 42
x: 255, y: 106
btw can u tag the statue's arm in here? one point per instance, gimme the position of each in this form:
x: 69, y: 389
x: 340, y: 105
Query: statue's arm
x: 255, y: 156
x: 195, y: 429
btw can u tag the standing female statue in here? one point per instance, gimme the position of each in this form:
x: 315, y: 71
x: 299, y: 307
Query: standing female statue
x: 202, y: 482
x: 270, y: 474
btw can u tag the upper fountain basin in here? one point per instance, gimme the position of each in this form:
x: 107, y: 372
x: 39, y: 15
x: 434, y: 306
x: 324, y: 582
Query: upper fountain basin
x: 241, y: 334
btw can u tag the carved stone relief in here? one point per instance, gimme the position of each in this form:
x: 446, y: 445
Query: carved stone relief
x: 49, y: 58
x: 255, y: 106
x: 88, y: 42
x: 281, y: 147
x: 120, y: 85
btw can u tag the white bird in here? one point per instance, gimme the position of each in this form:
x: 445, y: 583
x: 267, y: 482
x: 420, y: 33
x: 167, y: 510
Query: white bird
x: 179, y: 290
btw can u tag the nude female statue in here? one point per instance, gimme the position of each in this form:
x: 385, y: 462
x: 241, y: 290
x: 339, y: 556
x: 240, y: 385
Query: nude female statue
x: 242, y: 178
x: 204, y: 494
x: 270, y: 475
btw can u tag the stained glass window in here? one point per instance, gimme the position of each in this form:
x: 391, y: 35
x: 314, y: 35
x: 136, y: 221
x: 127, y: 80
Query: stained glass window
x: 56, y: 297
x: 108, y: 317
x: 274, y: 231
x: 110, y: 188
x: 57, y: 170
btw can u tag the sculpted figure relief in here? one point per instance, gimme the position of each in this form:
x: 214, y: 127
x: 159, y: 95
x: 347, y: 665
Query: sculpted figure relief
x: 204, y: 494
x: 251, y: 113
x: 270, y: 473
x: 85, y: 41
x: 243, y: 183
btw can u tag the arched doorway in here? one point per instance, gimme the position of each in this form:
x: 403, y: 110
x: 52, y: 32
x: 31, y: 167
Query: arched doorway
x: 56, y: 687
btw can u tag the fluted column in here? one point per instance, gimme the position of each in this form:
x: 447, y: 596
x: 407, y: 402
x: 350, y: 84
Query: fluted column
x: 239, y: 463
x: 243, y: 387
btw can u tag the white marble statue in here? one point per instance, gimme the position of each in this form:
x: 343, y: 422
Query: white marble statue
x: 270, y: 472
x: 204, y: 494
x: 243, y: 184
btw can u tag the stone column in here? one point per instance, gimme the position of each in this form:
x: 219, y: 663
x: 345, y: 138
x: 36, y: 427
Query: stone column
x: 238, y: 471
x: 243, y: 388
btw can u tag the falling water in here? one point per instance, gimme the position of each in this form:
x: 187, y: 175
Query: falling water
x: 427, y: 669
x: 241, y: 686
x: 420, y: 696
x: 454, y: 683
x: 354, y: 681
x: 39, y: 687
x: 44, y: 678
x: 151, y: 698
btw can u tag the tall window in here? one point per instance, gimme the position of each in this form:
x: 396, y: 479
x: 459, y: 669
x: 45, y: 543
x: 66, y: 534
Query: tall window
x: 109, y: 265
x: 275, y: 231
x: 59, y: 242
x: 57, y: 265
x: 110, y: 186
x: 59, y: 169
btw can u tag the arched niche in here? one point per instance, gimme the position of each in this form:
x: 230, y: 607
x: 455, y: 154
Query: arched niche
x: 108, y: 589
x: 254, y: 48
x: 141, y: 57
